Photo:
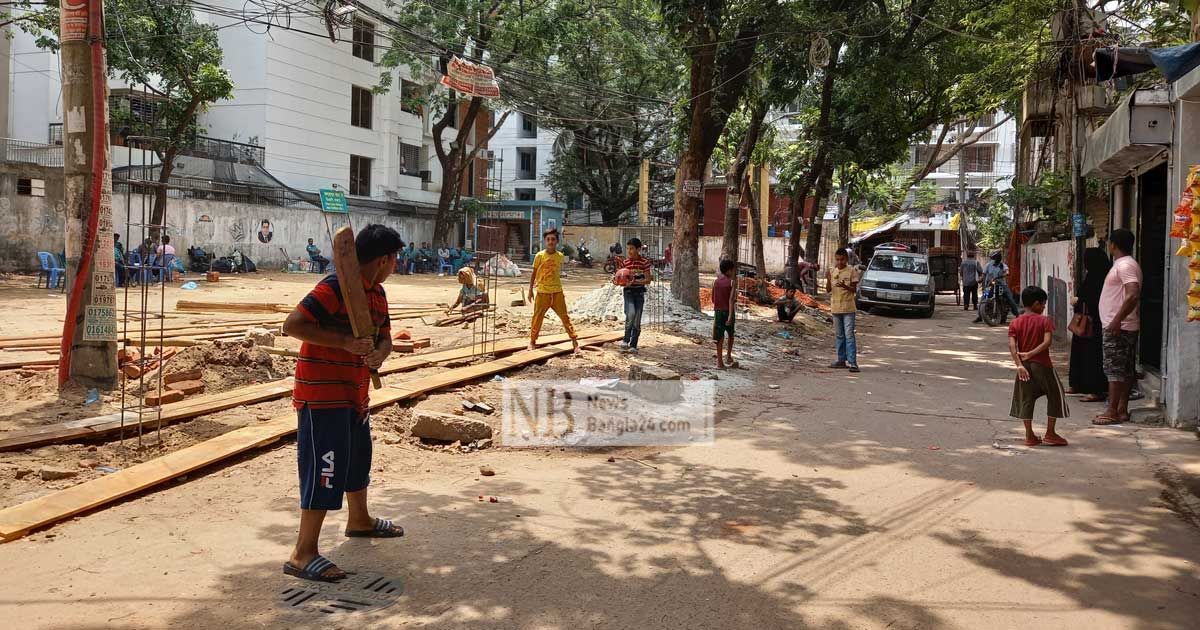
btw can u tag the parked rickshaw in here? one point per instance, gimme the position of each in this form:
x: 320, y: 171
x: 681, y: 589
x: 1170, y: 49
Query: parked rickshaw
x: 943, y: 266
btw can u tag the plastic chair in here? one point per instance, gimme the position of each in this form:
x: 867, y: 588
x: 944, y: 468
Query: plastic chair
x: 51, y: 271
x: 444, y: 266
x: 166, y: 268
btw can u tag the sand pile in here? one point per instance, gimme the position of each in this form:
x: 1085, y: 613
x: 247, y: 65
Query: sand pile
x: 608, y: 301
x: 227, y: 365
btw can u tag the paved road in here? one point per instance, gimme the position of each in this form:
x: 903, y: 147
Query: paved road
x: 835, y: 501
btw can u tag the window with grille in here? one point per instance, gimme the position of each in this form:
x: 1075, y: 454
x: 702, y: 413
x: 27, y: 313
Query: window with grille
x: 978, y: 159
x: 364, y: 40
x: 528, y: 125
x: 31, y: 187
x: 360, y: 107
x: 360, y: 176
x: 527, y: 163
x: 410, y: 160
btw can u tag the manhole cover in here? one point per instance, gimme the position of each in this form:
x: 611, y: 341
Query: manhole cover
x: 358, y: 593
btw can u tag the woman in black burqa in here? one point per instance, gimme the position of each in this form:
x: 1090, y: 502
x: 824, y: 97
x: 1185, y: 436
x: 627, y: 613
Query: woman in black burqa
x: 1087, y: 355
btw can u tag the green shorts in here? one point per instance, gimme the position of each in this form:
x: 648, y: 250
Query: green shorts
x: 722, y: 325
x: 1043, y: 381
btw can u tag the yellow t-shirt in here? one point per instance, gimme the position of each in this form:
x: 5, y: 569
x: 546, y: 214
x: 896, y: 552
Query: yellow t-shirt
x: 547, y: 268
x: 842, y: 301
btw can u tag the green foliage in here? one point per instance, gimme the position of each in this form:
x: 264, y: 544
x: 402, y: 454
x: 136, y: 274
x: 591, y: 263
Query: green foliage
x: 162, y: 47
x: 926, y: 196
x: 993, y: 224
x: 1047, y: 199
x: 606, y: 87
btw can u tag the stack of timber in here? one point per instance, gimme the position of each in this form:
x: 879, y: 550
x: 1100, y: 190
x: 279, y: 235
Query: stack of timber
x: 18, y: 520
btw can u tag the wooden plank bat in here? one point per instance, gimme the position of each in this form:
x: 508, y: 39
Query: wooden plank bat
x: 345, y: 261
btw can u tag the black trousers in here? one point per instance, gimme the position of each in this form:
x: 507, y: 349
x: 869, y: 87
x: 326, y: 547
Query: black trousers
x: 970, y: 296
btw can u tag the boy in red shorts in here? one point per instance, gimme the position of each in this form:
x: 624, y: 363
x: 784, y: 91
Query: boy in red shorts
x: 333, y: 442
x: 1029, y: 338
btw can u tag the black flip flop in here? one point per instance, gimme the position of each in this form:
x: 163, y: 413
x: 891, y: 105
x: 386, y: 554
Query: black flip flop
x: 314, y: 570
x: 383, y: 529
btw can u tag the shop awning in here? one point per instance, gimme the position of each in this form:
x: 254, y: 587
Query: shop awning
x: 886, y: 227
x: 1138, y: 131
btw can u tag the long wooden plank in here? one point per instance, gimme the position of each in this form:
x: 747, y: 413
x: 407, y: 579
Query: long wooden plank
x: 19, y: 520
x: 14, y: 360
x: 354, y: 296
x: 173, y: 412
x: 99, y: 426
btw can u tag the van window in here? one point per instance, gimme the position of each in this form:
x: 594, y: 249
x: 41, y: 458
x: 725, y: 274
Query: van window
x: 903, y: 264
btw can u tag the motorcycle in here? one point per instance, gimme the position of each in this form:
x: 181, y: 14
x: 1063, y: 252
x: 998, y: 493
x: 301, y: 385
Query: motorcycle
x: 611, y: 263
x: 992, y: 304
x: 583, y: 256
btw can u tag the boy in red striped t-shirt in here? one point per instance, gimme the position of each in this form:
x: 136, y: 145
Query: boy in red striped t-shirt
x: 333, y: 441
x: 634, y: 292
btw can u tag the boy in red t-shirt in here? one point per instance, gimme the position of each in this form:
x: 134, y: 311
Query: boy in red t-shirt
x: 1029, y: 338
x: 333, y: 443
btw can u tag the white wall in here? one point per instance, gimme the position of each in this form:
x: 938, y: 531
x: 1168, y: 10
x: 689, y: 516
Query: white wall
x: 774, y: 250
x: 35, y: 98
x: 221, y: 227
x: 504, y: 146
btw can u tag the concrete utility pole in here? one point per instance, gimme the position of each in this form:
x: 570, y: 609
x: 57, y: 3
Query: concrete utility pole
x: 89, y: 348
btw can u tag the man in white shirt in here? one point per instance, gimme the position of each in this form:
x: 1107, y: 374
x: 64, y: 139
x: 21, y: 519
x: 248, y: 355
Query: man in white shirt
x: 1119, y: 301
x: 166, y: 249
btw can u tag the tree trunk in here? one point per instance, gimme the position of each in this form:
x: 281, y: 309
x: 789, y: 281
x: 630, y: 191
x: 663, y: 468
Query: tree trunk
x: 816, y: 169
x: 708, y: 111
x: 733, y: 214
x: 796, y: 224
x: 813, y: 246
x: 844, y: 213
x: 736, y: 180
x: 756, y: 243
x: 685, y: 284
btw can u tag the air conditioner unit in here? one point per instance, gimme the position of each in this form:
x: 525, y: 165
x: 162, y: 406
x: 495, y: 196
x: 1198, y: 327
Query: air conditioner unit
x: 487, y: 154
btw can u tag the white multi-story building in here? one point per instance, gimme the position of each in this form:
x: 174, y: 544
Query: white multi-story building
x: 522, y: 151
x: 989, y: 163
x: 307, y: 101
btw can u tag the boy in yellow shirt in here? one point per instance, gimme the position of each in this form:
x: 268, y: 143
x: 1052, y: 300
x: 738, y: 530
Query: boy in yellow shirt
x: 547, y: 267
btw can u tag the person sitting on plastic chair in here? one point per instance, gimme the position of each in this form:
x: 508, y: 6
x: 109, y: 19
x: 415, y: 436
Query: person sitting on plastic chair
x: 165, y: 258
x: 315, y: 257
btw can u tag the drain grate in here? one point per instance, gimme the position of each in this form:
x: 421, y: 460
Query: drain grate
x: 360, y: 592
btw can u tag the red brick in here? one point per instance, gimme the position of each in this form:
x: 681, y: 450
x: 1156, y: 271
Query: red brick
x: 190, y: 375
x: 168, y: 396
x: 187, y: 387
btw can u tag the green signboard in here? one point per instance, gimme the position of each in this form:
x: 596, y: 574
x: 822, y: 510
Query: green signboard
x: 333, y: 201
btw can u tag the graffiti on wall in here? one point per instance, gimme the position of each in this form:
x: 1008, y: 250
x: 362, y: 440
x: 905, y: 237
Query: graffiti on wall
x: 1051, y: 266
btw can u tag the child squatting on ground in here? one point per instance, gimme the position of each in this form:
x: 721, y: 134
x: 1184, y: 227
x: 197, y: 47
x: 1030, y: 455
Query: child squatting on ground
x: 547, y: 278
x: 333, y: 443
x: 724, y: 307
x: 1029, y: 338
x: 471, y: 295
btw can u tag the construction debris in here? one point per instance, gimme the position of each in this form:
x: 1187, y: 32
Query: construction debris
x: 445, y: 427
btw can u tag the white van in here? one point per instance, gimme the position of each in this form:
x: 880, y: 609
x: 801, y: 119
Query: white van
x: 897, y: 280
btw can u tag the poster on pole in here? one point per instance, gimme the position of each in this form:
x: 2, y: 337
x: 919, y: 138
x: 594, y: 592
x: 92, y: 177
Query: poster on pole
x: 471, y: 79
x: 100, y: 314
x: 73, y: 20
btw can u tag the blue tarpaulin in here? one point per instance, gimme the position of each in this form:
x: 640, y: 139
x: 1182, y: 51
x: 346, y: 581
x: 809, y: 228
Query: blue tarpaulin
x: 1174, y: 61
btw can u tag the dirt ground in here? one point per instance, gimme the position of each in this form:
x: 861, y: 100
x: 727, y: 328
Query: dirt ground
x: 31, y: 399
x: 897, y: 498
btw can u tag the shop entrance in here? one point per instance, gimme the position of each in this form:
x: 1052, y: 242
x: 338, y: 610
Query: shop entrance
x: 1151, y: 231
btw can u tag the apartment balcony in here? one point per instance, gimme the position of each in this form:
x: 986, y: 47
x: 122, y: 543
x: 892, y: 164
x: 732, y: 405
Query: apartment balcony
x: 25, y: 152
x: 204, y: 147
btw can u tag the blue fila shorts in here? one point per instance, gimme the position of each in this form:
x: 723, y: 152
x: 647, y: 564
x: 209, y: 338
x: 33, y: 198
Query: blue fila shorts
x: 333, y: 448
